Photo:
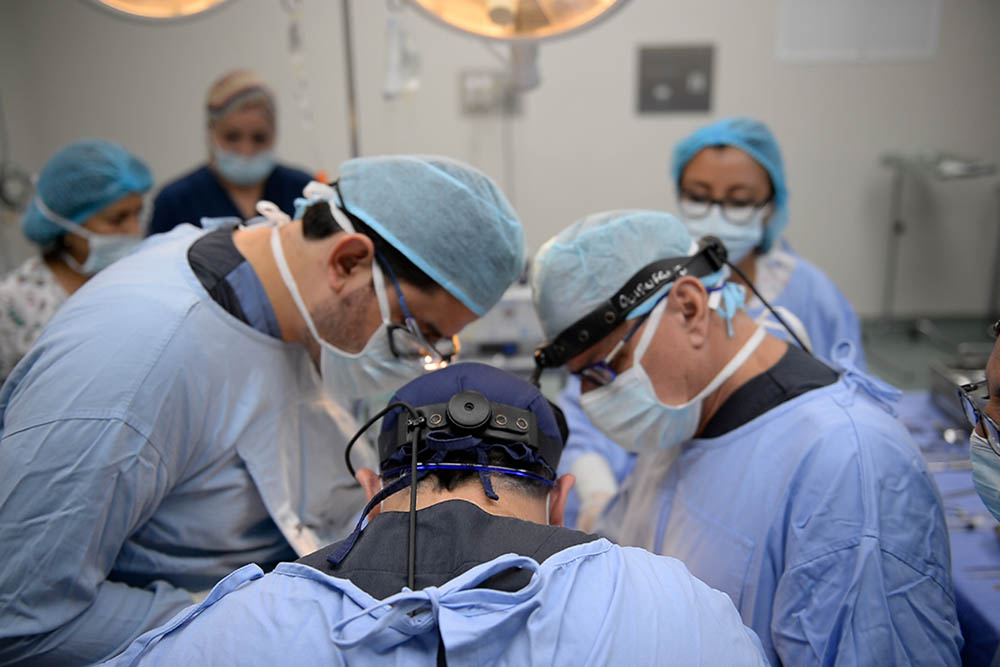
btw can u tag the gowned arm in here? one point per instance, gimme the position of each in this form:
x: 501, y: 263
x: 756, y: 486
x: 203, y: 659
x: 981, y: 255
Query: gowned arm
x: 863, y: 605
x: 71, y: 493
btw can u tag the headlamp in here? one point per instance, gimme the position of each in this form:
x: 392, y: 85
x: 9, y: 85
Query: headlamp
x: 598, y: 323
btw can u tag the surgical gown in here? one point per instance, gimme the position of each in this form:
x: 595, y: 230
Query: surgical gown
x: 150, y: 444
x: 818, y: 518
x: 790, y: 284
x: 591, y: 604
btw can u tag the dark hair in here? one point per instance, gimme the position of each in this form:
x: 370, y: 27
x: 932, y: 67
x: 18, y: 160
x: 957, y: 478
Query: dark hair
x: 318, y: 223
x: 449, y: 480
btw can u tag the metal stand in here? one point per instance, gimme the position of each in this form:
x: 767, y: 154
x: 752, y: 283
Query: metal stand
x: 993, y: 308
x: 896, y: 230
x: 352, y: 99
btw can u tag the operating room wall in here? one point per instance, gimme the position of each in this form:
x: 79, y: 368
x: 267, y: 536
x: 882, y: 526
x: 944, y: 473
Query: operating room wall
x: 70, y: 70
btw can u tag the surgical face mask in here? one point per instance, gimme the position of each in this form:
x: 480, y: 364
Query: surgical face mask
x: 739, y: 239
x: 241, y: 169
x: 102, y: 249
x: 985, y: 472
x: 373, y: 371
x: 628, y: 411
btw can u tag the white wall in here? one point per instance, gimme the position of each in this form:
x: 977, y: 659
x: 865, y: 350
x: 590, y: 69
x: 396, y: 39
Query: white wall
x: 68, y: 70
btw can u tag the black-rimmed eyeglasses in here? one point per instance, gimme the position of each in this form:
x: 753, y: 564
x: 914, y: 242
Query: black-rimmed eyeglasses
x: 976, y: 417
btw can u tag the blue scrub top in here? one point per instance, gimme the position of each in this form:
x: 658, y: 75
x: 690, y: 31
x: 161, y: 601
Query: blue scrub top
x: 818, y: 518
x: 199, y: 195
x: 787, y: 281
x: 144, y: 457
x: 590, y: 604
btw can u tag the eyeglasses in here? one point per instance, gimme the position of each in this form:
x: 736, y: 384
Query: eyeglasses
x: 977, y: 417
x: 600, y: 372
x: 736, y: 211
x: 407, y: 341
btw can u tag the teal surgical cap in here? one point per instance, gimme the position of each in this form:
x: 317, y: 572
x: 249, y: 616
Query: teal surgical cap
x: 447, y: 218
x: 80, y: 180
x: 586, y: 263
x: 754, y: 138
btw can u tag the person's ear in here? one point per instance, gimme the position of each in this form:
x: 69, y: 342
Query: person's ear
x: 557, y: 499
x: 370, y: 482
x: 689, y: 301
x: 350, y: 260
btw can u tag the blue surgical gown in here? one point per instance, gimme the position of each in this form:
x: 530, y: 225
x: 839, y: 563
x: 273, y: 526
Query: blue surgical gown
x: 786, y: 281
x: 592, y: 604
x: 818, y: 518
x: 150, y: 444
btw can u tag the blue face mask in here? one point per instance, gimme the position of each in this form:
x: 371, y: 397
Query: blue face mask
x: 985, y: 472
x: 628, y: 411
x: 103, y: 250
x: 242, y: 170
x: 739, y: 239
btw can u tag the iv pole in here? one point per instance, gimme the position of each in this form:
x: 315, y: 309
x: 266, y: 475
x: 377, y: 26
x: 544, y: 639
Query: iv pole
x: 352, y: 100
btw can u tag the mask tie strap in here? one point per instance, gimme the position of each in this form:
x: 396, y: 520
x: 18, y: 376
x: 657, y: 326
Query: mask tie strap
x: 293, y: 289
x: 734, y: 364
x: 63, y: 223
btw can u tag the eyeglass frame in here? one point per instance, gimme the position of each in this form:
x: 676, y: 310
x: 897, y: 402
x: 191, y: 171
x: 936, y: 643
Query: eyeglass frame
x: 990, y: 426
x: 722, y: 204
x: 410, y: 327
x: 600, y: 372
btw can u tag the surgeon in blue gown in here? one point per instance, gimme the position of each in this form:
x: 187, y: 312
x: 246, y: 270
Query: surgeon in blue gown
x: 731, y: 183
x: 183, y: 413
x: 497, y: 581
x: 782, y: 480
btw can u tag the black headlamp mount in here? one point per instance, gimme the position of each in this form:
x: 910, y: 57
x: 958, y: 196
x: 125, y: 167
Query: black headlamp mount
x: 470, y: 413
x: 593, y: 327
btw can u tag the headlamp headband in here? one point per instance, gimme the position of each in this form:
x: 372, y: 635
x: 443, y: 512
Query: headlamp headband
x: 593, y: 327
x: 469, y: 413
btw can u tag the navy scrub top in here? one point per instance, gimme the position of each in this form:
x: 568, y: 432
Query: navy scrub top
x: 200, y: 195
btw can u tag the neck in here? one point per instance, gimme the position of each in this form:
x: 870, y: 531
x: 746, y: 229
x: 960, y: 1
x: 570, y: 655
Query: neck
x: 67, y: 278
x: 254, y: 243
x: 510, y: 503
x: 767, y: 354
x: 245, y: 197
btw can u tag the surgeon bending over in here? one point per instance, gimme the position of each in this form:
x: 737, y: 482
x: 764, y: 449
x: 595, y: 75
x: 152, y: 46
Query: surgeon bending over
x: 731, y: 183
x: 781, y: 480
x: 494, y: 579
x: 171, y: 424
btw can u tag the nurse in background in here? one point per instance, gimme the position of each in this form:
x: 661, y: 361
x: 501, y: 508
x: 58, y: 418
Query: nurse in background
x: 241, y: 167
x: 731, y: 184
x: 85, y: 215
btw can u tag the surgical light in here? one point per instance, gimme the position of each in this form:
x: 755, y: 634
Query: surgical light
x: 160, y: 9
x: 518, y: 19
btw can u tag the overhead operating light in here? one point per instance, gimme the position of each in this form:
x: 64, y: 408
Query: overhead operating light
x: 515, y: 20
x: 160, y: 9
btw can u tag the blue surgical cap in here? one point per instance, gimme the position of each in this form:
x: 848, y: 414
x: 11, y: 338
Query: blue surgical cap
x: 756, y: 140
x: 80, y: 180
x: 447, y: 218
x: 585, y: 264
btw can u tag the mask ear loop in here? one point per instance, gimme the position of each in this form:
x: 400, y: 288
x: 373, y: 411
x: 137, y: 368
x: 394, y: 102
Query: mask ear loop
x: 378, y: 279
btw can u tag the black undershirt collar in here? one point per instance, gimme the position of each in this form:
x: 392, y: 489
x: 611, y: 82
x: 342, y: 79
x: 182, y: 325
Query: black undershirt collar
x: 796, y: 373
